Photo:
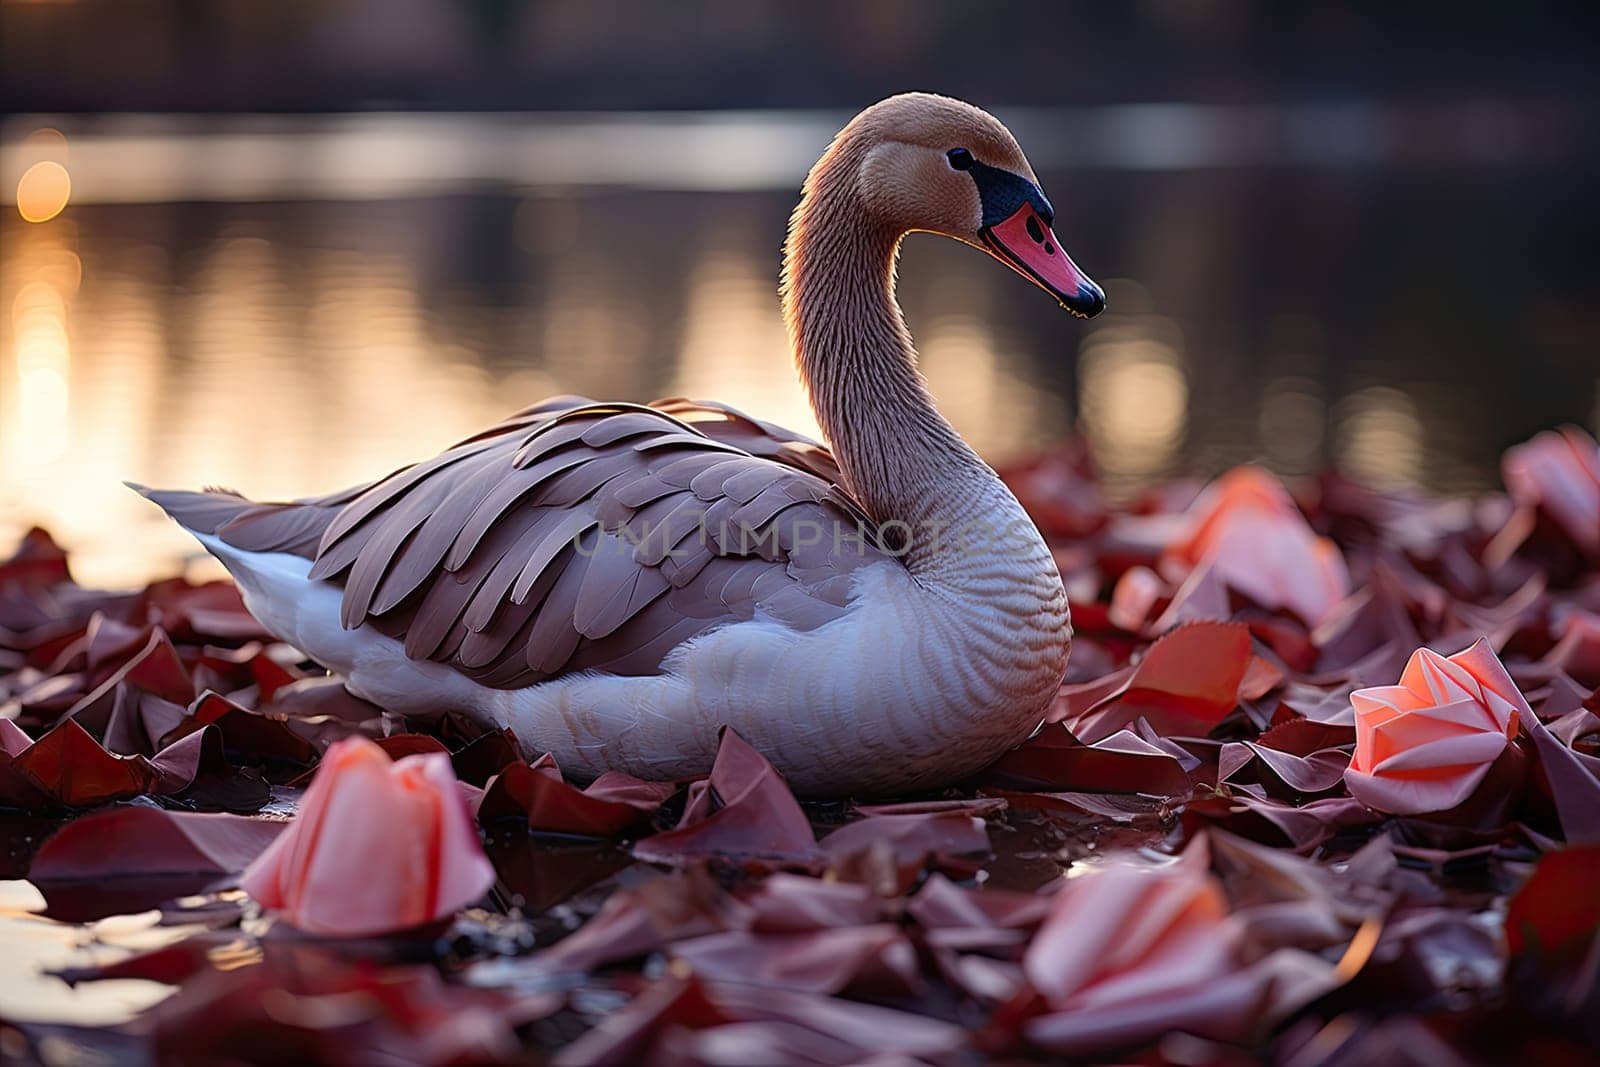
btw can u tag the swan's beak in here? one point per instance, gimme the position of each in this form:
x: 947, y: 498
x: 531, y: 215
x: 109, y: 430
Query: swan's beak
x: 1024, y: 242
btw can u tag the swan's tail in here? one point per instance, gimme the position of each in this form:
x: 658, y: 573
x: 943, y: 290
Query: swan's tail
x: 223, y: 516
x: 268, y: 548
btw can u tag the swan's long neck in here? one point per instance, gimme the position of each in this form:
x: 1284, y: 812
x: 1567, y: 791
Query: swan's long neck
x: 901, y: 459
x: 991, y: 629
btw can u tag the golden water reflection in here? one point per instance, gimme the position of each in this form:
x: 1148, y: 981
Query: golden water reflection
x: 292, y: 348
x: 37, y: 946
x: 1379, y: 437
x: 282, y: 367
x: 1290, y: 424
x: 1134, y: 391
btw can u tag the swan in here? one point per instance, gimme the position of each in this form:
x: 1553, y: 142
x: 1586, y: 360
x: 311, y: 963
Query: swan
x: 616, y: 582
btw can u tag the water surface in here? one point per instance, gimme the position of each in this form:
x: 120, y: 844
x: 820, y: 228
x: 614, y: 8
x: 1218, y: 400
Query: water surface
x: 289, y: 306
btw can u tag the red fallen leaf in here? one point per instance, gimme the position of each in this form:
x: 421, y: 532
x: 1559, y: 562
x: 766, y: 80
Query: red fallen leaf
x: 1261, y: 677
x: 1203, y: 595
x: 1135, y: 598
x: 1579, y: 727
x: 1078, y: 699
x: 256, y: 736
x: 636, y: 922
x: 250, y: 660
x: 626, y: 1036
x: 107, y: 642
x: 1246, y: 526
x: 989, y: 919
x: 486, y: 755
x: 1302, y: 737
x: 1330, y: 706
x: 1571, y: 781
x: 175, y: 768
x: 399, y: 746
x: 1555, y: 915
x: 68, y: 767
x: 743, y: 811
x: 858, y: 851
x: 13, y: 739
x: 986, y: 980
x: 38, y: 563
x: 17, y: 788
x: 1524, y: 609
x: 1578, y: 651
x: 1274, y: 822
x: 792, y: 904
x: 149, y: 841
x: 874, y: 960
x: 157, y: 669
x: 686, y: 1020
x: 303, y: 1004
x: 322, y: 710
x: 322, y: 697
x: 1287, y: 638
x: 39, y: 699
x: 1087, y: 1035
x: 1367, y: 639
x: 537, y: 794
x: 189, y: 612
x: 139, y: 702
x: 977, y: 936
x: 1281, y: 899
x: 1059, y: 491
x: 536, y: 879
x: 1120, y: 763
x: 980, y: 806
x: 1090, y: 616
x: 1187, y: 683
x: 1117, y: 807
x: 1283, y: 773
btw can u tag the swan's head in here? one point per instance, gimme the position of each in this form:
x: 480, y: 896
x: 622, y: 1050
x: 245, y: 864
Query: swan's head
x: 930, y: 163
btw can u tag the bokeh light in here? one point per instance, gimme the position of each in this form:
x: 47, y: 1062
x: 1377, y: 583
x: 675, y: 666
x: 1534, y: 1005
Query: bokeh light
x: 1290, y: 424
x: 43, y: 191
x: 1378, y: 437
x: 1133, y: 398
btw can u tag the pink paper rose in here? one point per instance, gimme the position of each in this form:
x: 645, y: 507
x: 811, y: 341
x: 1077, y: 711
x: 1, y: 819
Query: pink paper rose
x: 1129, y: 952
x: 1246, y: 526
x: 1558, y: 471
x: 377, y: 846
x: 1424, y: 745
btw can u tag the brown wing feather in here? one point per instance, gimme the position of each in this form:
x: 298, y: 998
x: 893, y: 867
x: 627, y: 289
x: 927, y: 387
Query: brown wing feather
x: 753, y: 435
x: 575, y: 536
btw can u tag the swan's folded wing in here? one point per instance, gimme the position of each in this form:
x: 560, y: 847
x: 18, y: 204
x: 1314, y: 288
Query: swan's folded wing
x: 753, y: 435
x: 576, y: 536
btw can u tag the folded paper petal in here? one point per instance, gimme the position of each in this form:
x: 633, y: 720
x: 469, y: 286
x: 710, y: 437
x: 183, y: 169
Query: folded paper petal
x: 1558, y: 471
x: 743, y: 810
x: 1127, y: 935
x: 537, y: 793
x: 378, y: 846
x: 1185, y: 685
x: 1426, y: 744
x: 1246, y: 528
x: 140, y: 841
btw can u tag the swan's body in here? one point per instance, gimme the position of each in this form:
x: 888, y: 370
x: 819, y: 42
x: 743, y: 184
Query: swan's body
x: 617, y: 582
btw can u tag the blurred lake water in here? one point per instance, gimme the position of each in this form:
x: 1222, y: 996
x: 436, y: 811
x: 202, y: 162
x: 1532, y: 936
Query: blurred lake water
x: 288, y: 306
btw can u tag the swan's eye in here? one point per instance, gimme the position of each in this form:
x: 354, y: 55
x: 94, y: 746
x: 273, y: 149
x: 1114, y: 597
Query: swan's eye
x: 960, y: 158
